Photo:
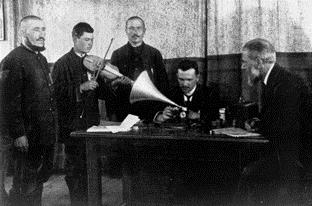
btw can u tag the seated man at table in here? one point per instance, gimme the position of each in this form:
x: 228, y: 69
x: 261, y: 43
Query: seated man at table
x: 201, y: 102
x: 190, y: 167
x: 274, y: 178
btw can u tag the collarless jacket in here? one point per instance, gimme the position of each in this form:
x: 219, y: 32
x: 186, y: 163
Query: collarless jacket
x: 150, y: 60
x: 27, y: 98
x: 75, y: 110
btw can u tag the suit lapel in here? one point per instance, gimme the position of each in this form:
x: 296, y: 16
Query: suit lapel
x: 196, y: 94
x: 268, y: 91
x: 195, y: 103
x: 180, y: 97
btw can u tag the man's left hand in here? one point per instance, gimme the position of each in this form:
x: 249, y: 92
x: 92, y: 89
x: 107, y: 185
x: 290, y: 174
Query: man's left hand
x: 121, y: 81
x: 193, y: 115
x: 252, y: 125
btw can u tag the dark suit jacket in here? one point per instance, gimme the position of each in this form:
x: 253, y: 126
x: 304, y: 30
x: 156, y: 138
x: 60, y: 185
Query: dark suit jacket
x: 281, y: 117
x: 149, y: 59
x: 205, y: 100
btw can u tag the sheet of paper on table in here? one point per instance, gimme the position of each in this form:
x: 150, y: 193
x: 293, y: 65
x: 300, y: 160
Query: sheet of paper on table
x: 125, y: 125
x: 235, y: 132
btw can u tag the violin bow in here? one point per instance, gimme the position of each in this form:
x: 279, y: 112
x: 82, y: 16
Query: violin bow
x: 99, y: 69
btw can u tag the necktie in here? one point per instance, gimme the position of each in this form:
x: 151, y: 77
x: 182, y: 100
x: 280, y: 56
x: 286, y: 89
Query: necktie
x: 188, y: 101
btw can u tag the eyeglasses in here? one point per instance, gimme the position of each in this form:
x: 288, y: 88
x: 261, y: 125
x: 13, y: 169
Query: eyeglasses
x: 132, y: 29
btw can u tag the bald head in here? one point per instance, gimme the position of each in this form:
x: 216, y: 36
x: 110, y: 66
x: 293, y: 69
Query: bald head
x: 32, y: 31
x: 25, y: 21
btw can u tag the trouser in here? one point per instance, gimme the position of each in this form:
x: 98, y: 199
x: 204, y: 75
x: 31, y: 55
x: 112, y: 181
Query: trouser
x: 269, y: 181
x: 31, y: 170
x: 5, y: 146
x: 76, y: 173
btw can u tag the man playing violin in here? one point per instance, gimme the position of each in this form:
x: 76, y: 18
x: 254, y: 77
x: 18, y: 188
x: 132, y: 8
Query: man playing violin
x: 77, y: 92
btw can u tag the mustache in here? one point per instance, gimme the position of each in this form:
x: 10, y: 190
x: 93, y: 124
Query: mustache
x: 135, y: 35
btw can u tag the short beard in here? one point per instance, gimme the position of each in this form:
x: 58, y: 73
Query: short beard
x: 252, y: 82
x: 33, y: 47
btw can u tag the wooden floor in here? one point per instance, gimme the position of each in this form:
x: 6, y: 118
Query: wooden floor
x: 55, y: 192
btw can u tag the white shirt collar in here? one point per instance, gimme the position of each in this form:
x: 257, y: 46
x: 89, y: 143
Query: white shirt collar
x: 80, y: 54
x: 265, y: 81
x: 89, y: 75
x: 190, y: 94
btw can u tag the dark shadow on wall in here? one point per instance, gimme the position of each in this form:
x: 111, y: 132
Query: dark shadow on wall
x: 299, y: 63
x: 224, y: 70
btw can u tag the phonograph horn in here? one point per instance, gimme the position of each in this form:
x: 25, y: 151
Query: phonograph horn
x: 111, y: 71
x: 144, y: 89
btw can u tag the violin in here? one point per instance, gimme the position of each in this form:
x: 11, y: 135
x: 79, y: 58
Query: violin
x: 99, y: 65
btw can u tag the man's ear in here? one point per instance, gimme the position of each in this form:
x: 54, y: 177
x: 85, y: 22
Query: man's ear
x: 75, y: 37
x: 197, y: 77
x: 260, y: 64
x: 22, y: 33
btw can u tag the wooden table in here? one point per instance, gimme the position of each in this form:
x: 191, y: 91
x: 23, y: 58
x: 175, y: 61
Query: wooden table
x: 144, y: 135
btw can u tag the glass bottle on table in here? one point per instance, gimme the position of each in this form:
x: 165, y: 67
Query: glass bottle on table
x: 222, y: 117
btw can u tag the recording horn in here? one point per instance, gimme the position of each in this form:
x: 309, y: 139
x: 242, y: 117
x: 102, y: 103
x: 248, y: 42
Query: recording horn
x: 144, y: 89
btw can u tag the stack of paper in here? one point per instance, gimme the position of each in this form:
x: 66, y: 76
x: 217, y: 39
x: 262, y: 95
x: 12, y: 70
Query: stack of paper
x: 235, y: 132
x: 125, y: 126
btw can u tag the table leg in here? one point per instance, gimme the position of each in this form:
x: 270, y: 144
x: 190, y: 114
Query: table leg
x: 94, y: 175
x: 240, y: 161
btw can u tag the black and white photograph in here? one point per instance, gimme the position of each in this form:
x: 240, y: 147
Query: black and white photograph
x: 155, y: 103
x: 1, y: 21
